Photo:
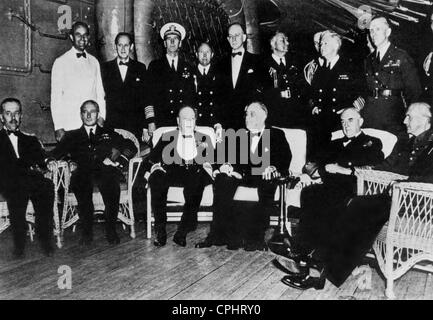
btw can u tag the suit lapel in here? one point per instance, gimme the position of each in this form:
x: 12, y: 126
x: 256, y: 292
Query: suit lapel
x: 10, y: 149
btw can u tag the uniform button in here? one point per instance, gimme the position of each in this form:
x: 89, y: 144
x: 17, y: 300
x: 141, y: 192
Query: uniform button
x: 349, y: 163
x: 199, y: 114
x: 170, y: 90
x: 211, y: 114
x: 411, y: 158
x: 413, y: 152
x: 320, y: 90
x: 211, y: 104
x: 334, y: 89
x: 211, y: 92
x: 180, y: 90
x: 171, y: 101
x: 180, y: 101
x: 333, y: 110
x: 171, y: 111
x: 376, y: 74
x: 199, y: 93
x: 376, y: 81
x: 199, y: 103
x: 320, y: 100
x: 333, y: 99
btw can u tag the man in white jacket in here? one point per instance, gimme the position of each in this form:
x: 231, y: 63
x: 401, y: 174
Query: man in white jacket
x: 75, y: 78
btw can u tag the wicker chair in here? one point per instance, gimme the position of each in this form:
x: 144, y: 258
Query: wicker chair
x: 407, y: 238
x: 126, y: 209
x: 58, y: 177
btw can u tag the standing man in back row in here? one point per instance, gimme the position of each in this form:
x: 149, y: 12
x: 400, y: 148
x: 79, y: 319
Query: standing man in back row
x: 392, y: 81
x: 75, y: 78
x: 172, y: 80
x: 125, y: 85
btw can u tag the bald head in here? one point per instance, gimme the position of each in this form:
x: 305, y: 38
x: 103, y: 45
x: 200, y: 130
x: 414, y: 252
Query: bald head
x: 351, y: 122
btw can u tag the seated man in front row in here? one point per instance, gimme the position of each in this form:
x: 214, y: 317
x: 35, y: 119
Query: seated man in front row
x: 97, y: 156
x: 352, y: 232
x: 21, y: 157
x: 179, y: 158
x: 267, y: 156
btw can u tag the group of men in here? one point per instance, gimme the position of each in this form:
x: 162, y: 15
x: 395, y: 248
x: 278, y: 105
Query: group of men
x: 242, y: 92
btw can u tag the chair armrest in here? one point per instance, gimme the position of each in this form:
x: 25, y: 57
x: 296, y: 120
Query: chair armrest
x: 371, y: 182
x: 133, y: 169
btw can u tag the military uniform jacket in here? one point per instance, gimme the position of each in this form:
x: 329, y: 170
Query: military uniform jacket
x: 397, y: 72
x: 170, y: 89
x: 277, y: 78
x: 32, y: 156
x: 362, y: 150
x: 125, y: 100
x: 247, y: 89
x: 208, y: 96
x: 413, y: 157
x: 335, y: 89
x: 89, y: 155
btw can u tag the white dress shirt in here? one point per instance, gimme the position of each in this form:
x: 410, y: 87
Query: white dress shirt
x: 382, y: 50
x: 331, y: 63
x: 186, y: 147
x: 14, y: 140
x: 170, y: 59
x: 123, y: 69
x: 255, y: 140
x: 73, y: 81
x: 278, y: 59
x: 203, y: 70
x: 236, y: 66
x: 88, y: 128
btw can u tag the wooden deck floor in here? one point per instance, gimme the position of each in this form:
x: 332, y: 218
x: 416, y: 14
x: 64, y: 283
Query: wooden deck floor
x: 136, y: 269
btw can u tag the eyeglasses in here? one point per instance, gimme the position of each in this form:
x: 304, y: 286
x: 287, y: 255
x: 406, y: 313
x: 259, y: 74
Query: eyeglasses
x: 234, y: 36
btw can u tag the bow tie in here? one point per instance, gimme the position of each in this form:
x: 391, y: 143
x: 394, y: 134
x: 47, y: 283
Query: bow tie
x: 9, y: 132
x: 346, y: 139
x: 79, y: 55
x: 187, y: 136
x: 255, y: 134
x: 121, y: 63
x: 234, y: 54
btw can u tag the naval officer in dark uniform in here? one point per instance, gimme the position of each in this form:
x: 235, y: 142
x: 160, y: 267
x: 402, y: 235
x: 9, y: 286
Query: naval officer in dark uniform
x: 392, y: 81
x: 282, y: 84
x: 335, y: 86
x: 172, y: 79
x: 207, y: 82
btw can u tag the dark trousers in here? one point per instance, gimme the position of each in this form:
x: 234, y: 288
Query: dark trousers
x: 40, y: 190
x: 107, y: 179
x: 339, y: 228
x: 230, y: 223
x: 193, y: 179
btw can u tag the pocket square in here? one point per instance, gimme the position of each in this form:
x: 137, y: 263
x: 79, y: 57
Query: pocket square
x: 250, y: 70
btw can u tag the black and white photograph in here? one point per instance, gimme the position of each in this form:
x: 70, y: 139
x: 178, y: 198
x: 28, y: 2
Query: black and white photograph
x: 216, y: 156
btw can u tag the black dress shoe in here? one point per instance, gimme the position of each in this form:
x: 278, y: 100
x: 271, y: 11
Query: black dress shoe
x: 234, y: 245
x: 160, y: 239
x: 207, y: 243
x: 304, y: 282
x: 256, y: 246
x: 179, y: 239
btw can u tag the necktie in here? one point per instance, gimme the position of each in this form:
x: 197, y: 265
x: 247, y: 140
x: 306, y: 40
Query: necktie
x: 281, y: 62
x: 377, y: 57
x: 9, y: 132
x: 172, y: 65
x: 204, y: 71
x: 83, y: 54
x: 234, y: 54
x: 91, y: 136
x: 121, y: 63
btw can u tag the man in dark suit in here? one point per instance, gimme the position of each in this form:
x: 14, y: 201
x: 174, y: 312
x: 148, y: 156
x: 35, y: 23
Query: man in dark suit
x: 392, y: 81
x: 172, y: 79
x: 267, y: 157
x: 241, y: 78
x: 181, y: 157
x: 22, y: 159
x: 282, y: 85
x: 207, y: 81
x: 351, y: 233
x: 97, y: 155
x: 125, y: 86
